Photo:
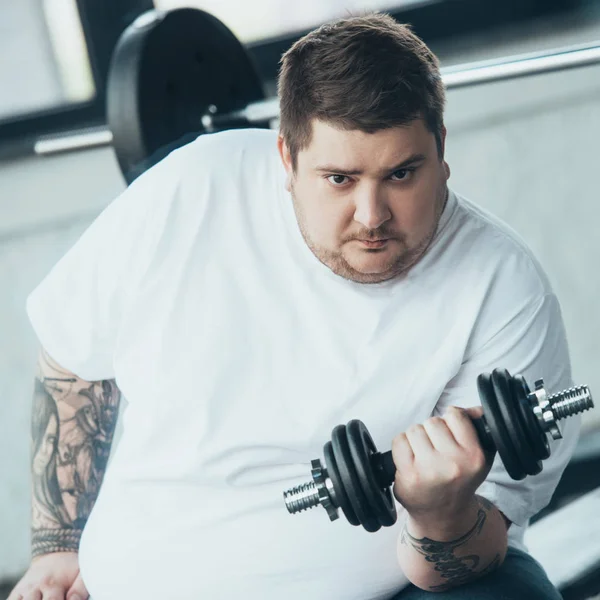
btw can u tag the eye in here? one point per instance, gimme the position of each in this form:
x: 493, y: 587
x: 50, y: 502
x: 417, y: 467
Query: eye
x: 402, y: 174
x: 337, y: 180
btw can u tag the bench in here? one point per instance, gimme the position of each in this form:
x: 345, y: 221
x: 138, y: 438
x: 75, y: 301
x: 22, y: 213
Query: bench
x: 567, y: 544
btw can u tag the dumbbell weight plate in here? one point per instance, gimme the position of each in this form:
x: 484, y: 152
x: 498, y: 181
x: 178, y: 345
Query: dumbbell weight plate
x: 351, y: 480
x: 338, y: 485
x: 166, y: 70
x: 535, y: 434
x: 517, y: 434
x: 493, y: 415
x: 380, y: 499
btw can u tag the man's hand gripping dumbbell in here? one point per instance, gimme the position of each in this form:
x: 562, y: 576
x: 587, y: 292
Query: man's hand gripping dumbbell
x: 437, y: 466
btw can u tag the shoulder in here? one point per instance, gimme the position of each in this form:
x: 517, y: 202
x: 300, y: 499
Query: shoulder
x: 226, y: 149
x: 210, y: 154
x: 208, y: 178
x: 514, y: 316
x: 497, y: 252
x: 212, y: 165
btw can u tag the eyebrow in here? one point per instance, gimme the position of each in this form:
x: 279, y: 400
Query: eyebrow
x: 415, y: 158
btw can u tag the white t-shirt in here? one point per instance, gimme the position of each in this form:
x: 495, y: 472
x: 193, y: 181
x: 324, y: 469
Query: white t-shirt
x: 238, y: 351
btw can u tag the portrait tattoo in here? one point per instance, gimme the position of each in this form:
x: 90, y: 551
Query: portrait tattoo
x: 73, y: 423
x: 455, y: 570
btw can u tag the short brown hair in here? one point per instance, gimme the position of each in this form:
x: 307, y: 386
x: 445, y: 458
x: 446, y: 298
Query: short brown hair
x: 366, y: 73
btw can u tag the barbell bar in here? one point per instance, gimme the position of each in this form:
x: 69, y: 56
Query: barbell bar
x: 178, y: 74
x: 461, y: 76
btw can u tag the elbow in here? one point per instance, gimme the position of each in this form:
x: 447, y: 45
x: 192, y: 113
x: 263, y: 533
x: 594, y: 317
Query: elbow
x: 427, y: 583
x: 452, y: 571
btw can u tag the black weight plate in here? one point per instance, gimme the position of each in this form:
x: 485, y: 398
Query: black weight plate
x: 362, y: 448
x: 493, y: 416
x: 350, y: 479
x: 166, y: 70
x: 338, y: 485
x: 508, y: 404
x: 535, y: 434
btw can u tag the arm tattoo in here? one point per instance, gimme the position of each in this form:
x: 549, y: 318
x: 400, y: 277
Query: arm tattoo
x: 73, y: 423
x: 456, y: 570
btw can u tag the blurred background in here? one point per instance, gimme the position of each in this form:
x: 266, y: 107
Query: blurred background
x: 526, y: 149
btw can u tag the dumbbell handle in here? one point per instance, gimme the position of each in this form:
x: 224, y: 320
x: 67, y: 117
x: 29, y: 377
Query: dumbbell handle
x: 385, y: 469
x: 356, y: 477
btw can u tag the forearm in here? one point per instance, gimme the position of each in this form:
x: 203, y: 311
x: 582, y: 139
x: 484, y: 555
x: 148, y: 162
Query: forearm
x: 438, y: 556
x: 73, y: 423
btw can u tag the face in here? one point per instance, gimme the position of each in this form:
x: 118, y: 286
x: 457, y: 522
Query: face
x: 368, y: 204
x: 47, y: 447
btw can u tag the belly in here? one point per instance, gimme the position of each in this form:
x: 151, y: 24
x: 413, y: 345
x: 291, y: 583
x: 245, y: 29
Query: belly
x: 191, y: 542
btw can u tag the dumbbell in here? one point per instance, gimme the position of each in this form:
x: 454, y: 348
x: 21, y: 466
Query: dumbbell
x: 516, y: 421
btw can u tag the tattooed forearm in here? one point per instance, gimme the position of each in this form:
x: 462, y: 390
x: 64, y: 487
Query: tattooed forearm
x: 453, y: 567
x: 56, y: 540
x: 73, y: 423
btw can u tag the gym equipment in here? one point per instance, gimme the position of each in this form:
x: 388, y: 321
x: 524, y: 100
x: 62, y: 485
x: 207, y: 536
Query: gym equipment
x: 456, y: 77
x: 168, y: 70
x: 516, y: 421
x: 177, y: 74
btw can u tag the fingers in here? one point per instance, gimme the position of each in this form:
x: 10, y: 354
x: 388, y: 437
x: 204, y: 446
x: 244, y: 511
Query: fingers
x: 460, y: 423
x: 33, y: 594
x: 474, y: 412
x: 454, y: 432
x: 440, y: 435
x: 402, y: 453
x: 78, y: 590
x: 419, y: 440
x: 53, y: 593
x: 39, y: 592
x: 17, y: 592
x: 14, y: 595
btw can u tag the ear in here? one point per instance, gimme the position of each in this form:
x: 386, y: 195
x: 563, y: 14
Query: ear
x: 443, y: 140
x: 446, y: 166
x: 286, y: 159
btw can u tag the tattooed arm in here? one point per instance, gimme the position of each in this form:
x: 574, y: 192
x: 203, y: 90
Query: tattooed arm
x: 73, y: 423
x: 451, y: 535
x: 438, y: 557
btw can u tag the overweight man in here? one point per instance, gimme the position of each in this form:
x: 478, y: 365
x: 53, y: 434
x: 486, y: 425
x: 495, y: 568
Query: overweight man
x: 252, y: 291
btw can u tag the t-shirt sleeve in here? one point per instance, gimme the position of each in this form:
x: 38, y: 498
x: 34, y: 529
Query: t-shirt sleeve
x: 527, y: 338
x: 77, y: 308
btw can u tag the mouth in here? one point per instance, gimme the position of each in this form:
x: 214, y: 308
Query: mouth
x: 373, y: 243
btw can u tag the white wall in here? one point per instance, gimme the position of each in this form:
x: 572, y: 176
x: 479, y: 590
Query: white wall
x: 45, y: 204
x: 526, y: 149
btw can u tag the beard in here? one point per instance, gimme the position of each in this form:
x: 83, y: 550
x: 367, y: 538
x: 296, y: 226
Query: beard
x: 399, y: 263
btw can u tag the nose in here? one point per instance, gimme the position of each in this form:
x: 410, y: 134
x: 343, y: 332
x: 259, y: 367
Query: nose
x: 371, y: 209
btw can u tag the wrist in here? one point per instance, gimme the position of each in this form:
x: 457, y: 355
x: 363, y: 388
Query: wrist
x: 49, y: 541
x: 444, y: 525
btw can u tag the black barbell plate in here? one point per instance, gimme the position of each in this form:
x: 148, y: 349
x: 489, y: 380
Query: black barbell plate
x: 338, y: 485
x: 508, y: 404
x: 350, y: 479
x: 493, y: 416
x: 536, y: 435
x: 380, y: 498
x: 166, y: 70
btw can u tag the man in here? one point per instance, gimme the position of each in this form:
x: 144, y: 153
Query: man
x: 245, y: 301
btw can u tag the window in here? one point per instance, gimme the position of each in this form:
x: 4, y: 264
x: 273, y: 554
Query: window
x: 252, y: 21
x: 45, y: 61
x: 55, y: 54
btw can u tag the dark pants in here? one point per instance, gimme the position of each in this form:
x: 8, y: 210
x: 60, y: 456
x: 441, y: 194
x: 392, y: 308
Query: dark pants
x: 519, y: 578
